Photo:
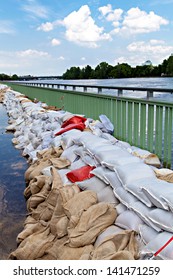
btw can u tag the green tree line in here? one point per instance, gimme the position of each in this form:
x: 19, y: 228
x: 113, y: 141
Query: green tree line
x: 121, y: 70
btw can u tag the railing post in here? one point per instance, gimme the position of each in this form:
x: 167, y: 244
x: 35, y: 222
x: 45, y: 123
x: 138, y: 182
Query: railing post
x: 120, y: 92
x: 149, y: 93
x: 85, y: 89
x: 74, y: 87
x: 99, y: 89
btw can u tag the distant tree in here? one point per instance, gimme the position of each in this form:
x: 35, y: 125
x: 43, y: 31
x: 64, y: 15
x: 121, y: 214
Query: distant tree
x: 169, y: 68
x: 4, y: 77
x: 14, y: 77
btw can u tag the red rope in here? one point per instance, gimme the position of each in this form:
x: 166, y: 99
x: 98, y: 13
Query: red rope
x: 166, y: 244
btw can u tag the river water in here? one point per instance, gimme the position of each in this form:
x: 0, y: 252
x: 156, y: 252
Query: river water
x: 12, y: 184
x: 166, y: 83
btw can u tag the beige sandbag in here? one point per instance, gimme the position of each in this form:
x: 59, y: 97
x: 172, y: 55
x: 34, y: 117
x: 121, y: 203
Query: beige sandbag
x: 92, y: 221
x: 36, y: 184
x: 34, y: 246
x: 59, y: 221
x: 60, y: 162
x: 68, y: 191
x: 153, y: 160
x: 74, y: 207
x: 121, y: 246
x: 38, y: 198
x: 61, y: 251
x: 35, y: 169
x: 28, y: 230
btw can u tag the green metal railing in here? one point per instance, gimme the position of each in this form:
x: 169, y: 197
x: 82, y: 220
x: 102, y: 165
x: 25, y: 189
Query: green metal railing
x: 141, y: 122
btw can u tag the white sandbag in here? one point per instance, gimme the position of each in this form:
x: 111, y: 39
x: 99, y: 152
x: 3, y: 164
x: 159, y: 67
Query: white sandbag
x: 77, y: 164
x: 56, y: 141
x: 147, y: 233
x: 107, y: 195
x: 113, y: 180
x: 93, y: 184
x: 111, y: 230
x: 125, y: 197
x: 47, y: 171
x: 131, y: 172
x: 120, y: 208
x: 62, y: 173
x: 162, y: 219
x: 129, y: 220
x: 156, y: 190
x: 70, y: 137
x: 143, y: 212
x: 155, y: 244
x: 69, y: 153
x: 135, y: 188
x: 101, y: 172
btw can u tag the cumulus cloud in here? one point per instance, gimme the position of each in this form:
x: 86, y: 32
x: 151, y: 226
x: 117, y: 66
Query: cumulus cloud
x: 61, y: 57
x: 34, y: 9
x: 134, y: 21
x: 137, y: 21
x: 55, y: 42
x: 82, y: 30
x: 32, y: 53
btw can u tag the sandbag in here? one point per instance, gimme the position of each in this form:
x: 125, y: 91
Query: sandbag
x: 74, y: 207
x: 80, y: 174
x: 74, y: 120
x: 79, y: 126
x: 94, y: 220
x: 121, y: 246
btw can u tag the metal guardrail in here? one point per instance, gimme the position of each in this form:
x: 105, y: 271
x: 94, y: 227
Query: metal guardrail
x: 119, y: 89
x: 146, y: 123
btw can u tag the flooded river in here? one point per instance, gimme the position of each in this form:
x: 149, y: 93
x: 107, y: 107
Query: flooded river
x: 12, y: 184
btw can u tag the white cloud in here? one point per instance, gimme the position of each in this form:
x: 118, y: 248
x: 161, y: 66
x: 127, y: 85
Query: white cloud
x: 55, y: 42
x: 82, y: 30
x: 35, y: 9
x: 137, y: 21
x: 83, y: 58
x: 61, y: 58
x: 105, y: 9
x: 32, y: 53
x: 153, y: 47
x: 46, y: 27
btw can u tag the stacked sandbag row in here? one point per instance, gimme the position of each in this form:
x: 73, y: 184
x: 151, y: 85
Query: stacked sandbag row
x: 120, y: 175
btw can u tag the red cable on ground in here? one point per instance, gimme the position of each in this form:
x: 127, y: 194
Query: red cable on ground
x: 163, y: 247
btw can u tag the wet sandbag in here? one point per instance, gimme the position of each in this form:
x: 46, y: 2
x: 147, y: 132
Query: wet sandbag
x: 121, y: 246
x: 92, y: 221
x: 34, y: 246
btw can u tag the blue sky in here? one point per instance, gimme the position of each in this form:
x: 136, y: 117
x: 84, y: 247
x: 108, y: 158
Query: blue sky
x: 46, y: 37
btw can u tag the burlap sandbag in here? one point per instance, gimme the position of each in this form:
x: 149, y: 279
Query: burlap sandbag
x: 60, y: 162
x: 52, y: 197
x: 74, y: 207
x: 38, y: 198
x: 50, y: 153
x: 59, y: 221
x: 167, y: 177
x: 68, y: 191
x: 61, y: 251
x: 35, y: 169
x: 121, y: 246
x: 28, y: 230
x: 36, y: 185
x: 92, y: 221
x: 34, y: 246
